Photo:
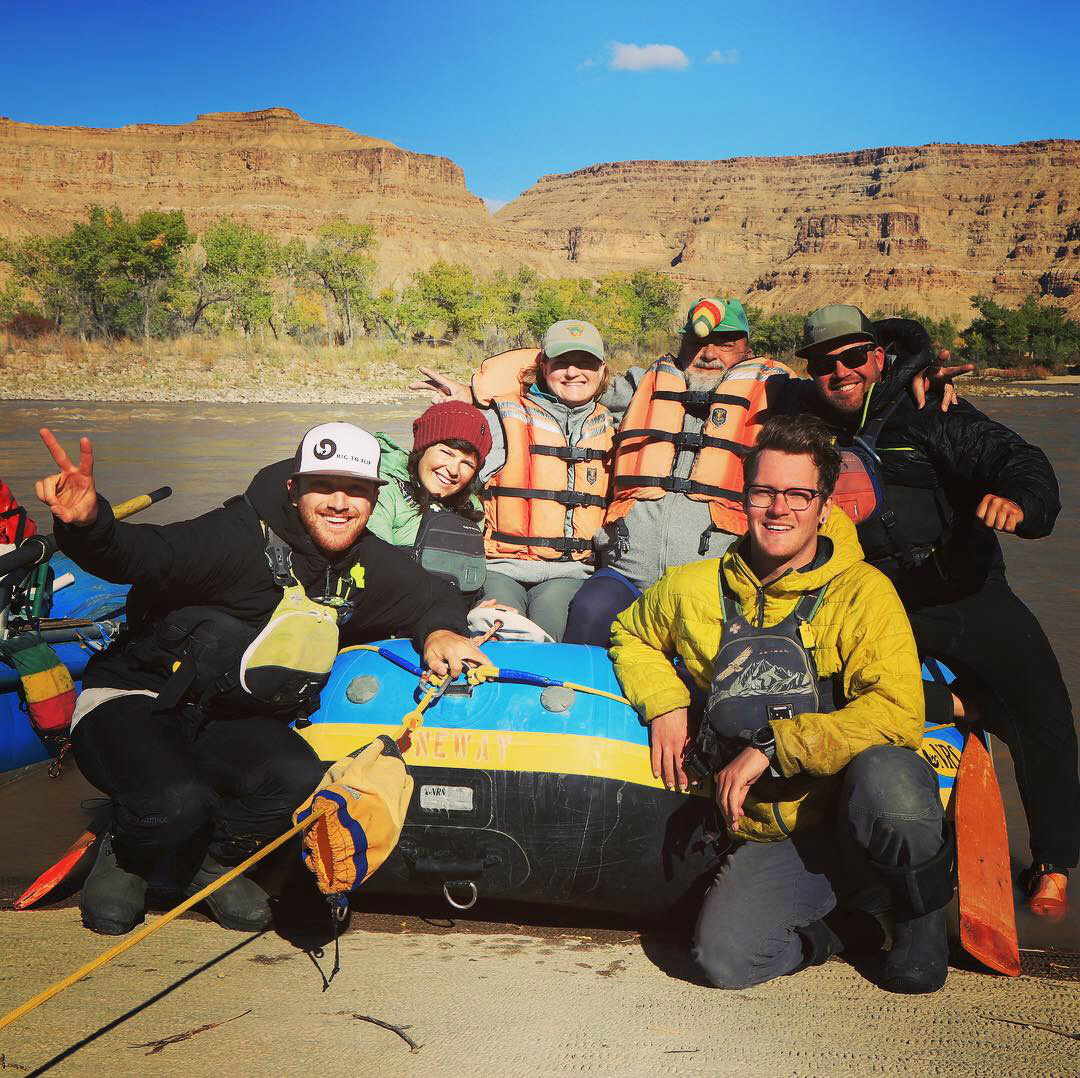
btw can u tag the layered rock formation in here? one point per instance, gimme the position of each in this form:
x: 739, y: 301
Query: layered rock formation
x: 269, y: 168
x: 926, y: 226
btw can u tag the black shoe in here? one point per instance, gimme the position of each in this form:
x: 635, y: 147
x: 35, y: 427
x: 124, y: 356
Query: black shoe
x: 919, y: 959
x: 241, y: 904
x: 113, y: 898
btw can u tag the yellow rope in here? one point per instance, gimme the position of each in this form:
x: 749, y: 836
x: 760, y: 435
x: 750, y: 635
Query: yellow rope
x: 146, y: 930
x: 943, y: 726
x: 597, y: 692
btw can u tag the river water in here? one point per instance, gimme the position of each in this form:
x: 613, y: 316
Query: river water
x: 208, y: 452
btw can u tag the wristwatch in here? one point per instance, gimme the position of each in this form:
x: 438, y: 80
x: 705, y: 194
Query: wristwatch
x: 764, y: 741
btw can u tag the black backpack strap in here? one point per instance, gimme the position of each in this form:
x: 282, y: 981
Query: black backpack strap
x: 278, y: 552
x: 809, y: 604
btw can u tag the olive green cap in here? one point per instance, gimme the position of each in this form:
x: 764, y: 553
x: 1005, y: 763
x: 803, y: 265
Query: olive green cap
x: 572, y: 335
x: 835, y: 325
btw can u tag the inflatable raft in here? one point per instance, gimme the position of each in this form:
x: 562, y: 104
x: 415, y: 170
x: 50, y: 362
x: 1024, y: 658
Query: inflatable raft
x: 530, y: 794
x: 522, y: 792
x: 84, y: 598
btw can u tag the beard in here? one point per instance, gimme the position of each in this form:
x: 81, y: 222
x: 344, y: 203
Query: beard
x: 704, y: 380
x: 329, y: 539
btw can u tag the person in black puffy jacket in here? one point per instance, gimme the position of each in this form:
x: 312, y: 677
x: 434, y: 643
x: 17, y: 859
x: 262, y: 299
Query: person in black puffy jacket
x: 948, y: 481
x: 200, y: 770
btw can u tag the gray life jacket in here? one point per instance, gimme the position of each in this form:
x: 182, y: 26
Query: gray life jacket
x: 759, y: 674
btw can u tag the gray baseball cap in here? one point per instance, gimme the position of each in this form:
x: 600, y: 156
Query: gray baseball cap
x: 572, y: 335
x: 835, y: 325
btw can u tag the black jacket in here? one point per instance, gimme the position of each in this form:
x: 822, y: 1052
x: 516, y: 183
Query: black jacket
x: 937, y: 466
x: 218, y: 560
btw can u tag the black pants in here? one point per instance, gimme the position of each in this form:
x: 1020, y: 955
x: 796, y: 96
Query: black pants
x: 238, y: 780
x: 993, y: 639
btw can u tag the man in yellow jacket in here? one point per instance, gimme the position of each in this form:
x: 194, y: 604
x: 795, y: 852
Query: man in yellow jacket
x: 813, y: 710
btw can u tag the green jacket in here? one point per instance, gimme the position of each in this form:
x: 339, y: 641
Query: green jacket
x: 396, y: 516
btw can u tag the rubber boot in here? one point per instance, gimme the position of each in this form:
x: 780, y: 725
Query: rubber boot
x: 241, y: 904
x: 1045, y: 886
x: 113, y: 897
x: 919, y: 959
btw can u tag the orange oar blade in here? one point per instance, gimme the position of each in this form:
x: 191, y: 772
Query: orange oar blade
x: 59, y: 872
x: 984, y: 885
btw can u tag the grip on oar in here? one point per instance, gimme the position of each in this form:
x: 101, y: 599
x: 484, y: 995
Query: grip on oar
x: 140, y: 502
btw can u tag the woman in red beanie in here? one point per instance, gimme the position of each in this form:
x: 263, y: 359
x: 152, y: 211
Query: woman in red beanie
x: 450, y: 443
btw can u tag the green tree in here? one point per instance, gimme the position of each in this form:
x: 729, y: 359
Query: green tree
x: 447, y: 295
x: 237, y: 271
x: 343, y: 264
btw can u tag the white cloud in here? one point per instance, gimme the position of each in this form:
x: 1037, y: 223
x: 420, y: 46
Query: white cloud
x: 723, y: 56
x: 495, y: 204
x: 584, y: 64
x: 647, y: 57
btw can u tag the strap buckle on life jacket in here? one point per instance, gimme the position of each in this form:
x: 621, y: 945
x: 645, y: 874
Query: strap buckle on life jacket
x: 575, y: 455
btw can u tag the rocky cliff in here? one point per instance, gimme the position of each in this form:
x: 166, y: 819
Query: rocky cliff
x: 927, y: 226
x: 269, y: 168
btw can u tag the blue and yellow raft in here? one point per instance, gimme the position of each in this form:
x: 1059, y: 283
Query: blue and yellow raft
x: 530, y: 794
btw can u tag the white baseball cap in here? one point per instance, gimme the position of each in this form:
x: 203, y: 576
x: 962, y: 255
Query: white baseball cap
x: 338, y: 449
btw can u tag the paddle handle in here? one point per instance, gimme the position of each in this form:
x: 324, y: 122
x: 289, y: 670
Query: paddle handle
x: 141, y: 502
x: 39, y: 548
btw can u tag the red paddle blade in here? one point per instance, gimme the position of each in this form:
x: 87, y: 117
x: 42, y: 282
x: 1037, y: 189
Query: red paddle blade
x: 58, y: 873
x: 984, y: 884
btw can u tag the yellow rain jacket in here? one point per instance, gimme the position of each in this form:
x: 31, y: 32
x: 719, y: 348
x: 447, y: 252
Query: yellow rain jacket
x: 860, y: 632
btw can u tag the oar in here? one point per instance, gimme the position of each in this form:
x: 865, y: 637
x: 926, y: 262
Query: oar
x: 58, y: 872
x: 39, y: 548
x: 984, y: 879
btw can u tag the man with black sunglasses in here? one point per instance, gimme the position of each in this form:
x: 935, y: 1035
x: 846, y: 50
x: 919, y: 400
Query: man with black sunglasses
x: 937, y: 485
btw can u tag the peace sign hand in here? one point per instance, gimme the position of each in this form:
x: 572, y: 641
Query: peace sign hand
x: 70, y: 495
x: 442, y: 387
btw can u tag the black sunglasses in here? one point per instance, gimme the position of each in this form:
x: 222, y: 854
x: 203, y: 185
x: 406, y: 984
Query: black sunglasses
x: 851, y: 358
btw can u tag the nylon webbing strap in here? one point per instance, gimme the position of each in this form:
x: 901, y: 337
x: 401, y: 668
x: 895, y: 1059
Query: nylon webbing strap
x: 572, y: 498
x: 685, y: 440
x: 571, y: 456
x: 564, y: 543
x: 677, y: 486
x: 693, y: 398
x: 807, y: 606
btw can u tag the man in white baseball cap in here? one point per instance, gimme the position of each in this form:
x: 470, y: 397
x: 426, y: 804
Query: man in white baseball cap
x: 194, y: 750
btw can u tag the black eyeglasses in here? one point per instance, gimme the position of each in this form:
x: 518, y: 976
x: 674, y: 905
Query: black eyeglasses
x: 852, y: 358
x: 798, y: 498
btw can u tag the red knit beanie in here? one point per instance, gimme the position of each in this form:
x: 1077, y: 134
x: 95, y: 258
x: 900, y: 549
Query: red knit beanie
x: 453, y: 420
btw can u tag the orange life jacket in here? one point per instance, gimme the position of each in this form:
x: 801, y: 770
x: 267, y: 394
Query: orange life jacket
x: 527, y: 501
x: 651, y: 435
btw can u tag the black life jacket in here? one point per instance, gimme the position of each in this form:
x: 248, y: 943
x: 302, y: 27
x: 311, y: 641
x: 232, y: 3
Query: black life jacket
x: 861, y: 493
x: 451, y: 547
x: 759, y: 674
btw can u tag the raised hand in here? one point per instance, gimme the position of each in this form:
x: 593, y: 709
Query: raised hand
x: 70, y: 494
x: 939, y: 377
x: 442, y: 387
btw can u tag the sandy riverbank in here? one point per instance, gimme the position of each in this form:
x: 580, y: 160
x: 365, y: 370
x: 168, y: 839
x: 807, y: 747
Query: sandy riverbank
x: 499, y: 1001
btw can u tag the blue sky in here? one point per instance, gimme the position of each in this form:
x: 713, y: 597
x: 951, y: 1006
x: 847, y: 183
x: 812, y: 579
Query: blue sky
x: 511, y: 91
